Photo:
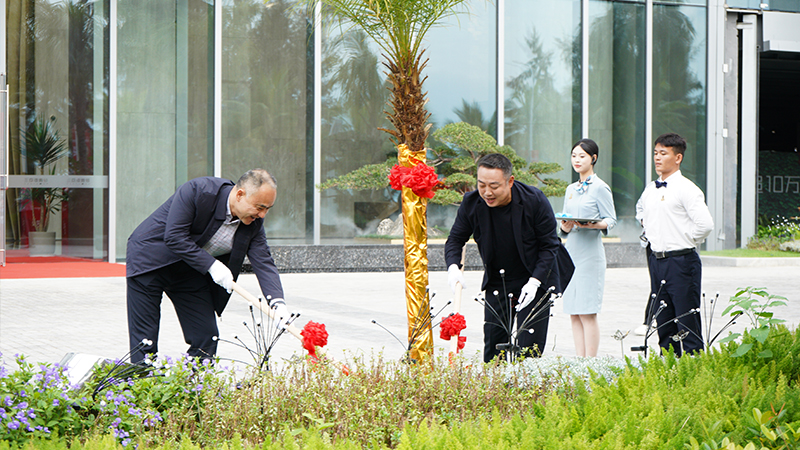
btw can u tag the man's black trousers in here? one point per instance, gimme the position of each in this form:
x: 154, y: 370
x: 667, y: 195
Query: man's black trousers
x: 494, y: 328
x: 190, y: 294
x: 681, y: 293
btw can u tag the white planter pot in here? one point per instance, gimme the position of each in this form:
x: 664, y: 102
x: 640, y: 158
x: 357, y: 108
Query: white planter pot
x: 42, y: 243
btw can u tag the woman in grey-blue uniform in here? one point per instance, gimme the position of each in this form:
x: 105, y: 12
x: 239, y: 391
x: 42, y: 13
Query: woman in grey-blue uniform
x: 588, y: 198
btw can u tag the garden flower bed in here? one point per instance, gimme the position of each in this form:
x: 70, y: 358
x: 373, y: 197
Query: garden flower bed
x: 661, y: 402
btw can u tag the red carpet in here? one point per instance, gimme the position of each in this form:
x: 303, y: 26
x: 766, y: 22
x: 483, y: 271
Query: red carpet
x: 58, y: 267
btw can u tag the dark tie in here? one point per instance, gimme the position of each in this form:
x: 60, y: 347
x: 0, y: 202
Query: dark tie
x: 660, y: 184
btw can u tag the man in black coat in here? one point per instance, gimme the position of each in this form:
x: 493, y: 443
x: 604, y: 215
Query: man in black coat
x: 515, y: 229
x: 192, y: 248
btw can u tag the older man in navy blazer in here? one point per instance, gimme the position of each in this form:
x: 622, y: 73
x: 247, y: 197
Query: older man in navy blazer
x: 515, y: 229
x: 192, y: 248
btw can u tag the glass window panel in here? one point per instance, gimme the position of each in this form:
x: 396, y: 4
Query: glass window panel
x: 744, y: 4
x: 57, y: 77
x: 354, y: 96
x: 542, y: 84
x: 617, y: 103
x: 462, y: 79
x: 265, y: 94
x: 682, y: 2
x: 679, y: 82
x: 460, y: 86
x: 781, y: 5
x: 145, y: 112
x: 195, y: 109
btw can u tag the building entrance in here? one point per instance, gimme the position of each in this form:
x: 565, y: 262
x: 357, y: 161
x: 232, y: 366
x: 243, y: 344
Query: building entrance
x: 779, y: 136
x: 54, y: 76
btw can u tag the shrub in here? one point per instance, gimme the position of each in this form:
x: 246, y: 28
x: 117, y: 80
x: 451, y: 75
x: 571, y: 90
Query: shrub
x: 37, y: 400
x: 773, y: 232
x: 710, y: 400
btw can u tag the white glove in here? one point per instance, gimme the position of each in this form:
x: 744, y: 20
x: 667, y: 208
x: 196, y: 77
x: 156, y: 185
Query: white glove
x: 221, y: 275
x: 281, y: 314
x: 454, y: 275
x: 528, y: 293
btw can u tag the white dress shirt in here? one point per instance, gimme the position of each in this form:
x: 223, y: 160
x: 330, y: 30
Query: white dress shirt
x: 675, y: 217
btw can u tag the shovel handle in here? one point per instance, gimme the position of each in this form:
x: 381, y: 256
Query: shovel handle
x: 457, y: 302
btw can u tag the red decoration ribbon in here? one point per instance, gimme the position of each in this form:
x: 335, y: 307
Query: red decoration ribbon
x: 314, y: 335
x: 451, y: 326
x: 421, y: 179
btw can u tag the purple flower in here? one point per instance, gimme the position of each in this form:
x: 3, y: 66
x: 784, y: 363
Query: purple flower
x: 13, y: 425
x: 56, y: 402
x: 22, y: 405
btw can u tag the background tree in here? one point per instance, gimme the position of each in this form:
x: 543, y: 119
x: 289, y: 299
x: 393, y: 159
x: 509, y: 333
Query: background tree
x: 399, y: 27
x: 462, y: 145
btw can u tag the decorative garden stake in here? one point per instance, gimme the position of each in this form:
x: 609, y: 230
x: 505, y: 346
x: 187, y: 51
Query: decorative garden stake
x: 620, y: 336
x: 265, y: 333
x: 504, y: 318
x: 420, y: 326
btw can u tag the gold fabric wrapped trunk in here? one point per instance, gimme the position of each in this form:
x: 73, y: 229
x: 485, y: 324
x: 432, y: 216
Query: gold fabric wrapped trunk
x: 415, y: 245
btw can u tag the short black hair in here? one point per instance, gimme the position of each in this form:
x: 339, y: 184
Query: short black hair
x: 253, y: 179
x: 674, y: 141
x: 497, y: 161
x: 589, y: 146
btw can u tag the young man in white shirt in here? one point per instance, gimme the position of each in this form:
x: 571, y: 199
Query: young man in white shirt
x: 676, y: 220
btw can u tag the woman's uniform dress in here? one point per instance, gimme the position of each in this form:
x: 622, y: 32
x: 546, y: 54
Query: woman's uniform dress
x: 590, y: 199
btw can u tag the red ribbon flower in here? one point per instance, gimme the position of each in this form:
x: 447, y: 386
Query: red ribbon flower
x: 314, y: 335
x: 396, y: 176
x: 452, y: 326
x: 421, y: 179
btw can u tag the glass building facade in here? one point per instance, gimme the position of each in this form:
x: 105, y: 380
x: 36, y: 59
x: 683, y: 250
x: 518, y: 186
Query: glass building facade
x: 147, y: 95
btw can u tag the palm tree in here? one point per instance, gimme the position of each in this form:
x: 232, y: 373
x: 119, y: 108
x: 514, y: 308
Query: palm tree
x: 399, y: 27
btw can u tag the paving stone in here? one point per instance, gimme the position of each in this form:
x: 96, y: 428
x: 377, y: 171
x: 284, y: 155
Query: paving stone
x: 46, y: 318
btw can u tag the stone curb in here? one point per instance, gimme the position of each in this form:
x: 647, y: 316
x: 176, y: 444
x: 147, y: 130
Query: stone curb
x: 726, y: 261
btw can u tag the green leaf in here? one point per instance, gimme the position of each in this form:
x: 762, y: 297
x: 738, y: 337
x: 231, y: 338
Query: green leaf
x: 729, y: 338
x: 728, y: 309
x: 765, y: 354
x: 760, y: 334
x: 743, y: 349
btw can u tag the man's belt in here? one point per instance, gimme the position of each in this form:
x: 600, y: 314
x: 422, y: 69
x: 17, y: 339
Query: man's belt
x: 662, y: 255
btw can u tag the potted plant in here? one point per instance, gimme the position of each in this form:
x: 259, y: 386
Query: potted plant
x: 43, y: 148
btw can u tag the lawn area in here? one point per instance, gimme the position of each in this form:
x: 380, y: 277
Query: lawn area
x: 751, y: 253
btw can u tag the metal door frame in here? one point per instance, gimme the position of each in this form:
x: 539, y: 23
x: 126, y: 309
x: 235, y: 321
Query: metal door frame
x: 3, y: 132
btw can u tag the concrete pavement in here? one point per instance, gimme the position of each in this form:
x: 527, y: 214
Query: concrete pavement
x: 46, y: 318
